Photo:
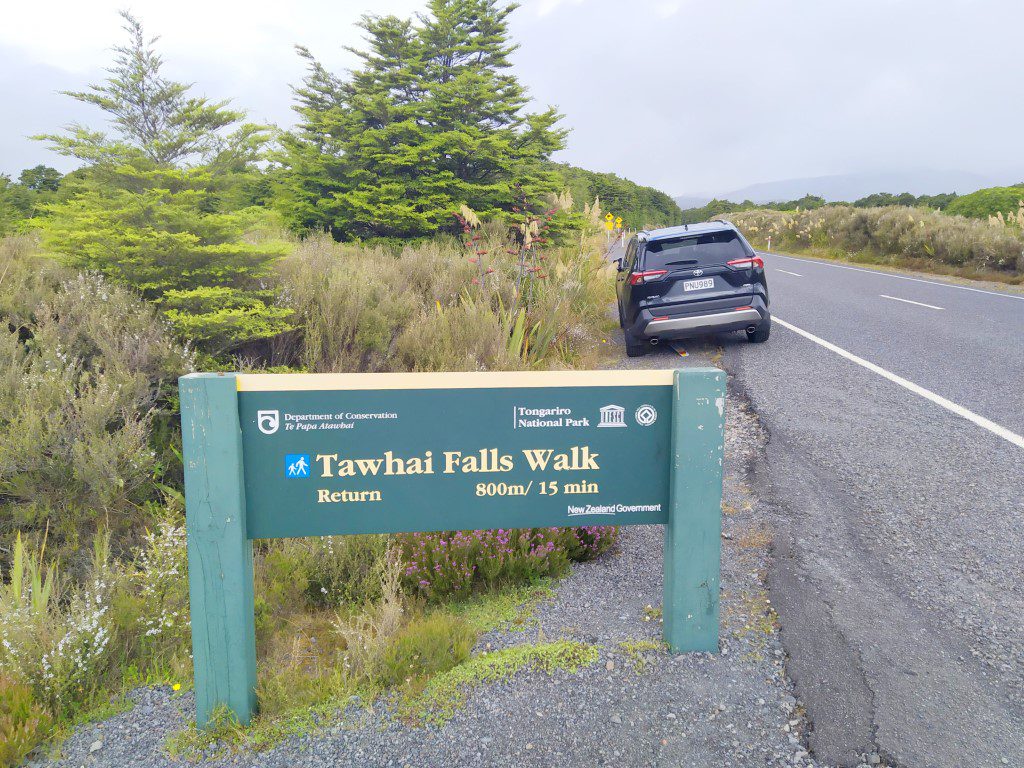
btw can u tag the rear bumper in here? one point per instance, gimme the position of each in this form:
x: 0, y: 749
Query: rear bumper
x: 656, y: 324
x: 739, y: 318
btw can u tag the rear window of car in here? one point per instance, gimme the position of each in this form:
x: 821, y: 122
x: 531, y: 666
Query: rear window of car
x: 710, y: 248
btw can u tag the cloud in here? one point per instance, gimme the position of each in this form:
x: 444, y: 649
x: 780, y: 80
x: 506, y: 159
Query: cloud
x: 686, y: 96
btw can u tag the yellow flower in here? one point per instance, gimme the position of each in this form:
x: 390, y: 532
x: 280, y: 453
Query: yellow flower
x: 176, y: 687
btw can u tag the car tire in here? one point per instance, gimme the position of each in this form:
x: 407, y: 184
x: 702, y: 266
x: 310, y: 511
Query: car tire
x: 635, y: 348
x: 761, y: 333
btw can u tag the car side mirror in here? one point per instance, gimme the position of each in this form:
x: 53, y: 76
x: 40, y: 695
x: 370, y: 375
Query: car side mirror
x: 618, y: 264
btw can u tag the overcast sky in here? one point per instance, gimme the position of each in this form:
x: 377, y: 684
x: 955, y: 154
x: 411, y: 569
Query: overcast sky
x: 689, y: 96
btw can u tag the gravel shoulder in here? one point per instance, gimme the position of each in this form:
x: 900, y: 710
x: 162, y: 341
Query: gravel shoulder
x: 640, y: 708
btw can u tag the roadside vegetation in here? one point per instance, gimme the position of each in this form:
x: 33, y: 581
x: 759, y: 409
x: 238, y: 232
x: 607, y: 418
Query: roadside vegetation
x: 979, y: 235
x: 905, y: 237
x: 94, y: 597
x: 191, y: 239
x: 809, y: 202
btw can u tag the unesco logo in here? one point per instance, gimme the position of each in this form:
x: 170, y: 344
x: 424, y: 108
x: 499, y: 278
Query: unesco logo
x: 646, y: 415
x: 296, y: 465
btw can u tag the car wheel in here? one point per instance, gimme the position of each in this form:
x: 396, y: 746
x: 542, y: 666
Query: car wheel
x: 635, y: 348
x: 761, y: 333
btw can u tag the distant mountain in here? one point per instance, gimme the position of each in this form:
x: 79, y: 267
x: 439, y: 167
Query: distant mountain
x: 692, y: 201
x: 852, y: 186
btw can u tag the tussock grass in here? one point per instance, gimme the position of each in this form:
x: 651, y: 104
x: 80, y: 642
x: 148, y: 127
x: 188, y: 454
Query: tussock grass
x: 368, y: 309
x: 908, y: 237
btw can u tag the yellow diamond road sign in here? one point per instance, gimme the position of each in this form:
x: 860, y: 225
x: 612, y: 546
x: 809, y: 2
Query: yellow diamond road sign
x: 608, y: 217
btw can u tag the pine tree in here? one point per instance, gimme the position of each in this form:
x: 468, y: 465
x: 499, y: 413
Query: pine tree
x: 431, y: 120
x: 152, y: 208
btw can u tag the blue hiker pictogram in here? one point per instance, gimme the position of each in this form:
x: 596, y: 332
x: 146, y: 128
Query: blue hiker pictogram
x: 296, y: 465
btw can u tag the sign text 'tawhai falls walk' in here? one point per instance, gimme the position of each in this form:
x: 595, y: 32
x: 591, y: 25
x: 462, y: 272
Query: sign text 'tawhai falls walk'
x: 271, y: 456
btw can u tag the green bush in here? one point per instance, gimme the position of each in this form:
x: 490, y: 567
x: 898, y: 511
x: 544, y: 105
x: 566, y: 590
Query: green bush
x: 425, y: 647
x: 74, y: 643
x: 156, y: 205
x: 439, y: 565
x: 323, y: 572
x: 988, y: 202
x: 86, y: 371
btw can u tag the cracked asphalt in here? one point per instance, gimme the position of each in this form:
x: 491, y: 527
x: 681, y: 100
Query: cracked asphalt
x: 898, y: 524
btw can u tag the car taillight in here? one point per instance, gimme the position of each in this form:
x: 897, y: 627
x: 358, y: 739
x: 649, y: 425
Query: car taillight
x: 754, y: 262
x: 638, y: 278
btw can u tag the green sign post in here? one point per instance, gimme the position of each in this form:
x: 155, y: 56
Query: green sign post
x: 277, y: 456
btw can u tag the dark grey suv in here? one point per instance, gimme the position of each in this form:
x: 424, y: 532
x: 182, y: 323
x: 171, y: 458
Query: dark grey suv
x: 691, y: 280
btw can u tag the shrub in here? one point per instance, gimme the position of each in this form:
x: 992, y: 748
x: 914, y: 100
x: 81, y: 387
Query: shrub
x: 23, y: 723
x: 319, y: 572
x: 86, y: 371
x: 586, y: 543
x: 60, y: 647
x: 988, y: 202
x: 160, y: 581
x: 367, y: 635
x: 439, y: 565
x: 426, y: 646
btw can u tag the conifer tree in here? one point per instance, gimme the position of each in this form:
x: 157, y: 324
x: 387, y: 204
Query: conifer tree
x: 431, y: 119
x: 149, y: 207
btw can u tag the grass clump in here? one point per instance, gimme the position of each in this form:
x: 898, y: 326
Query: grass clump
x: 23, y: 723
x: 446, y: 694
x: 636, y: 652
x: 192, y: 743
x: 508, y: 608
x: 426, y: 647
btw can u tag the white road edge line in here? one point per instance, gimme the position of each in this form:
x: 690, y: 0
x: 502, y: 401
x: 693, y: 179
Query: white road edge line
x: 899, y: 277
x: 795, y: 274
x: 927, y: 394
x: 908, y: 301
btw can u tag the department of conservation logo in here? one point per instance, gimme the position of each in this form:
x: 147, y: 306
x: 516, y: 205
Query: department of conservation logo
x: 646, y: 415
x: 268, y: 421
x: 612, y: 416
x: 296, y: 465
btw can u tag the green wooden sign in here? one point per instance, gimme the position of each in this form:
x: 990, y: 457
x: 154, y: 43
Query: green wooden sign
x: 272, y: 456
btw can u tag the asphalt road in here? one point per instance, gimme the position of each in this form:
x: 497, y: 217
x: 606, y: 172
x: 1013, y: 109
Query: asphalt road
x: 894, y: 476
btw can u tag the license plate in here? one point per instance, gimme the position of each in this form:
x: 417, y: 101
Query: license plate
x: 698, y: 285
